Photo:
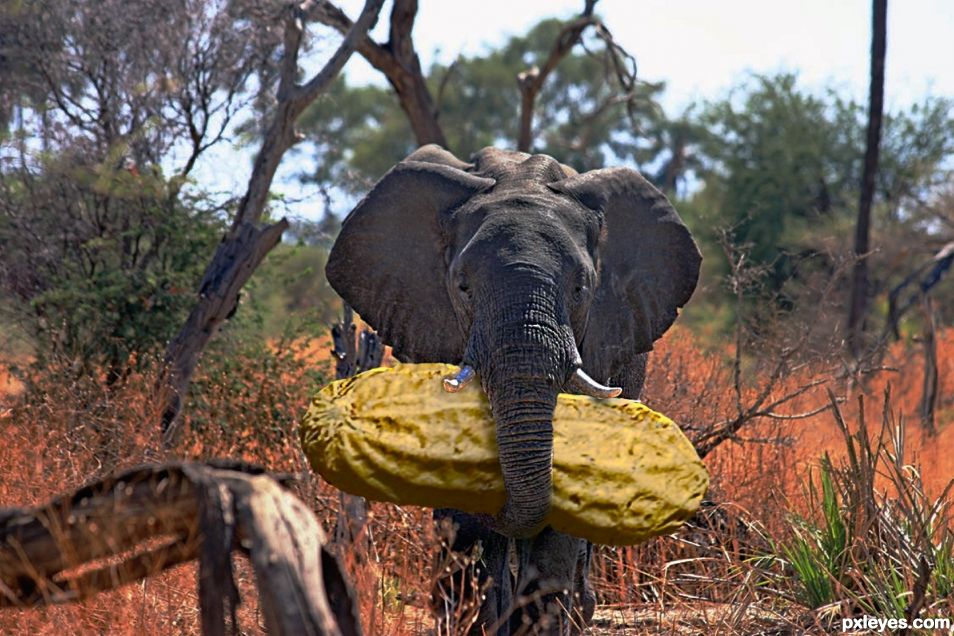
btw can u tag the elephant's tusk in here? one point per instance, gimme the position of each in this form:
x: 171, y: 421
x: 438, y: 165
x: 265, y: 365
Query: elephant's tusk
x: 586, y: 385
x: 459, y: 381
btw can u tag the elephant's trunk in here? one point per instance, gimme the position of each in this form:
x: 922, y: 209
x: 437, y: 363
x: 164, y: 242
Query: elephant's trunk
x: 523, y: 348
x: 524, y: 415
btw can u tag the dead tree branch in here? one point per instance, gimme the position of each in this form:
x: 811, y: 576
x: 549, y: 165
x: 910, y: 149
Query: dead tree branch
x: 397, y: 59
x: 927, y: 275
x: 246, y: 243
x: 770, y: 392
x: 621, y: 68
x: 531, y: 80
x: 929, y: 390
x: 354, y: 352
x: 148, y: 519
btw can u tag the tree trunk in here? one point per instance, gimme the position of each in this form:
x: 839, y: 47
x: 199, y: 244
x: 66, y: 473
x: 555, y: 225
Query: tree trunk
x: 234, y: 261
x: 929, y: 390
x: 398, y: 62
x: 859, y: 283
x: 246, y: 243
x: 418, y: 105
x: 531, y: 80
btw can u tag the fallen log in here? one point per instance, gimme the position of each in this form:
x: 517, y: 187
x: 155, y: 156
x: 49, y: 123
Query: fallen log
x: 142, y: 521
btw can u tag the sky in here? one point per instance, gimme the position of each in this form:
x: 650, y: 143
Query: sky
x: 700, y: 48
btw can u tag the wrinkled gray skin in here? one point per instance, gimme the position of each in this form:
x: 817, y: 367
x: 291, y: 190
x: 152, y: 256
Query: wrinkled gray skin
x: 525, y: 270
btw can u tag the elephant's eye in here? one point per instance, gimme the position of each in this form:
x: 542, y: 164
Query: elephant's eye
x: 464, y: 289
x: 579, y: 292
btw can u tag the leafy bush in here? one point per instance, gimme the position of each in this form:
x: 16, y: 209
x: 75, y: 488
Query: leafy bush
x: 100, y: 264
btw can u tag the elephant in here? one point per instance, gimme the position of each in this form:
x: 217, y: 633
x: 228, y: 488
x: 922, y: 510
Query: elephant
x: 538, y: 280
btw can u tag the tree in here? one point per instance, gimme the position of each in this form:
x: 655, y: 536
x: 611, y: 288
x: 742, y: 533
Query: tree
x: 674, y: 146
x: 859, y: 284
x: 397, y: 59
x: 131, y: 83
x: 106, y: 108
x: 97, y: 262
x: 778, y: 160
x: 247, y: 242
x: 780, y: 167
x: 584, y: 113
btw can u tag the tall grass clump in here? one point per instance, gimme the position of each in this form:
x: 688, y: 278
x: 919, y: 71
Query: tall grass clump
x: 872, y: 541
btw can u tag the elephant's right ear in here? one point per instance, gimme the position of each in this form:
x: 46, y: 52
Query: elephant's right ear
x: 388, y: 260
x: 649, y: 263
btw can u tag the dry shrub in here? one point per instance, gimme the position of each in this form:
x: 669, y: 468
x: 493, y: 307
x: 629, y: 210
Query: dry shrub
x: 62, y: 431
x: 730, y: 554
x: 58, y: 434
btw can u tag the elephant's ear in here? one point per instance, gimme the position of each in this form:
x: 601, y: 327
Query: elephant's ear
x: 649, y: 263
x: 388, y: 260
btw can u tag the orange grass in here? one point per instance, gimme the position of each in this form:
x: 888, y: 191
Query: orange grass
x: 65, y: 432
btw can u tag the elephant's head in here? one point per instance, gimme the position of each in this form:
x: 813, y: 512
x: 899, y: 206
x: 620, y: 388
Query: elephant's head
x: 513, y: 266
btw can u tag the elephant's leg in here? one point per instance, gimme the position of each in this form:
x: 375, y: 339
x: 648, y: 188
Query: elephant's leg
x: 549, y: 566
x: 584, y: 599
x: 483, y: 587
x: 632, y: 376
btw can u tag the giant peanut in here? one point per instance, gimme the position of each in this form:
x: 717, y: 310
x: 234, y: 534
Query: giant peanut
x: 621, y: 472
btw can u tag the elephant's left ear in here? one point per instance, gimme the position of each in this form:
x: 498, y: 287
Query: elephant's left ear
x: 649, y: 263
x: 388, y: 260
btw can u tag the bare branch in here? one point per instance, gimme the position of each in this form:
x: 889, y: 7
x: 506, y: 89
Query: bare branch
x: 292, y: 100
x: 927, y: 275
x: 328, y: 14
x: 399, y: 63
x: 762, y: 398
x: 306, y: 94
x: 621, y: 63
x: 531, y: 80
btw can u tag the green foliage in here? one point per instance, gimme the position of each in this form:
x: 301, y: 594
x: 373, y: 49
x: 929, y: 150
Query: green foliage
x: 358, y: 134
x: 782, y: 167
x: 289, y: 290
x: 100, y: 264
x: 778, y: 159
x: 674, y: 146
x: 101, y: 252
x: 583, y: 117
x: 817, y: 553
x: 249, y: 394
x: 915, y: 148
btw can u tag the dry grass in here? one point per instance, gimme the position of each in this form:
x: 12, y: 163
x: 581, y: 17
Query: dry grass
x: 705, y: 579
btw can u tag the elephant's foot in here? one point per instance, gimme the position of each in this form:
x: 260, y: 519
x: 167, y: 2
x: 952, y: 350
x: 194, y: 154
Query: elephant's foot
x: 542, y: 614
x: 584, y: 606
x: 552, y: 596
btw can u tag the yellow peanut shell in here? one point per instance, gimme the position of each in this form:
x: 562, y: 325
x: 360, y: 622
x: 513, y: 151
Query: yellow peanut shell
x: 621, y: 472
